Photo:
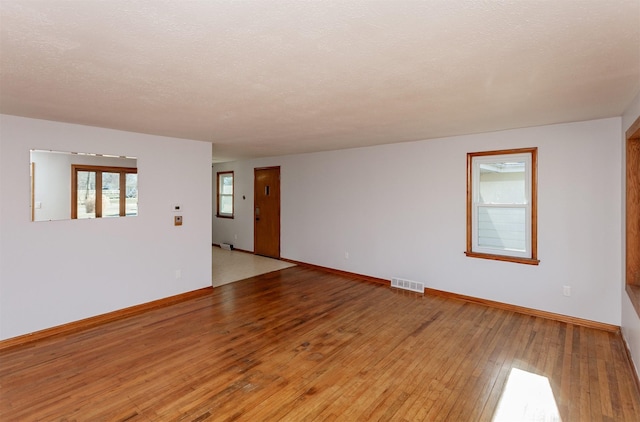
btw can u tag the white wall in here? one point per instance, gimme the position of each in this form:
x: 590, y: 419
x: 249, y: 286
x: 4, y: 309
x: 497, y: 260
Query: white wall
x: 630, y: 319
x: 399, y: 211
x: 56, y: 272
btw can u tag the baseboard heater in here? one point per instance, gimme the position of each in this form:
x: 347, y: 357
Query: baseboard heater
x: 414, y: 286
x: 227, y: 246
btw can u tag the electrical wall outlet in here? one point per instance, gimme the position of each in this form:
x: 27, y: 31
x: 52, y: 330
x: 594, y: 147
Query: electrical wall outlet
x: 566, y: 290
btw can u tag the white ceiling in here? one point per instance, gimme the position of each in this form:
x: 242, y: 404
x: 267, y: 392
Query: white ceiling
x: 268, y: 77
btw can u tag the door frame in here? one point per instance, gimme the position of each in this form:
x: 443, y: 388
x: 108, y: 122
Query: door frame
x: 632, y: 223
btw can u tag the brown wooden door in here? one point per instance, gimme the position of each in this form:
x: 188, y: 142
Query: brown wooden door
x: 266, y: 225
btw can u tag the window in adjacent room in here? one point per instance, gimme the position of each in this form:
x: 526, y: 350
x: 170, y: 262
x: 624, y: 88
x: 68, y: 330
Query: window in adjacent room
x: 98, y: 191
x: 501, y: 205
x: 225, y: 194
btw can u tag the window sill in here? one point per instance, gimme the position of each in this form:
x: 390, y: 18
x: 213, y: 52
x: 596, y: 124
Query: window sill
x: 514, y: 259
x: 634, y: 295
x: 224, y: 216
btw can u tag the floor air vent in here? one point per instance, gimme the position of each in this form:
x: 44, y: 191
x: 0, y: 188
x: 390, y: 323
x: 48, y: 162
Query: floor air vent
x: 414, y: 286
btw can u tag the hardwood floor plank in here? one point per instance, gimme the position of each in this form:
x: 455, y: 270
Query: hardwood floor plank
x: 479, y: 385
x: 306, y: 345
x: 518, y: 331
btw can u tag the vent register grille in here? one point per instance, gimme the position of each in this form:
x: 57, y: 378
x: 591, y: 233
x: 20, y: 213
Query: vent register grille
x: 414, y: 286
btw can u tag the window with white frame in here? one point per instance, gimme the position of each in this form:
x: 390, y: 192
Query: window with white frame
x: 502, y: 205
x: 225, y: 194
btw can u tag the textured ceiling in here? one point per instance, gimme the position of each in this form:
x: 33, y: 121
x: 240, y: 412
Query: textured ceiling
x: 267, y: 77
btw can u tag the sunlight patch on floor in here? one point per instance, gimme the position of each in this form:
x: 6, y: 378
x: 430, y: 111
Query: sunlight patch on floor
x: 527, y: 397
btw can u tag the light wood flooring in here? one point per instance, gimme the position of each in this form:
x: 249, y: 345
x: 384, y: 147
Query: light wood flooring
x: 305, y: 345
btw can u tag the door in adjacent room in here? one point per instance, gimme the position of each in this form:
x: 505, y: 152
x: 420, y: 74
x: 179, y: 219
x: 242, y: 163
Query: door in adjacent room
x: 266, y: 225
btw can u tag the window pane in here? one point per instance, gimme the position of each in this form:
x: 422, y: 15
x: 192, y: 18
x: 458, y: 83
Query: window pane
x: 131, y: 206
x: 502, y: 228
x: 502, y: 183
x: 110, y: 194
x: 225, y: 194
x: 226, y: 204
x: 86, y: 194
x: 226, y: 185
